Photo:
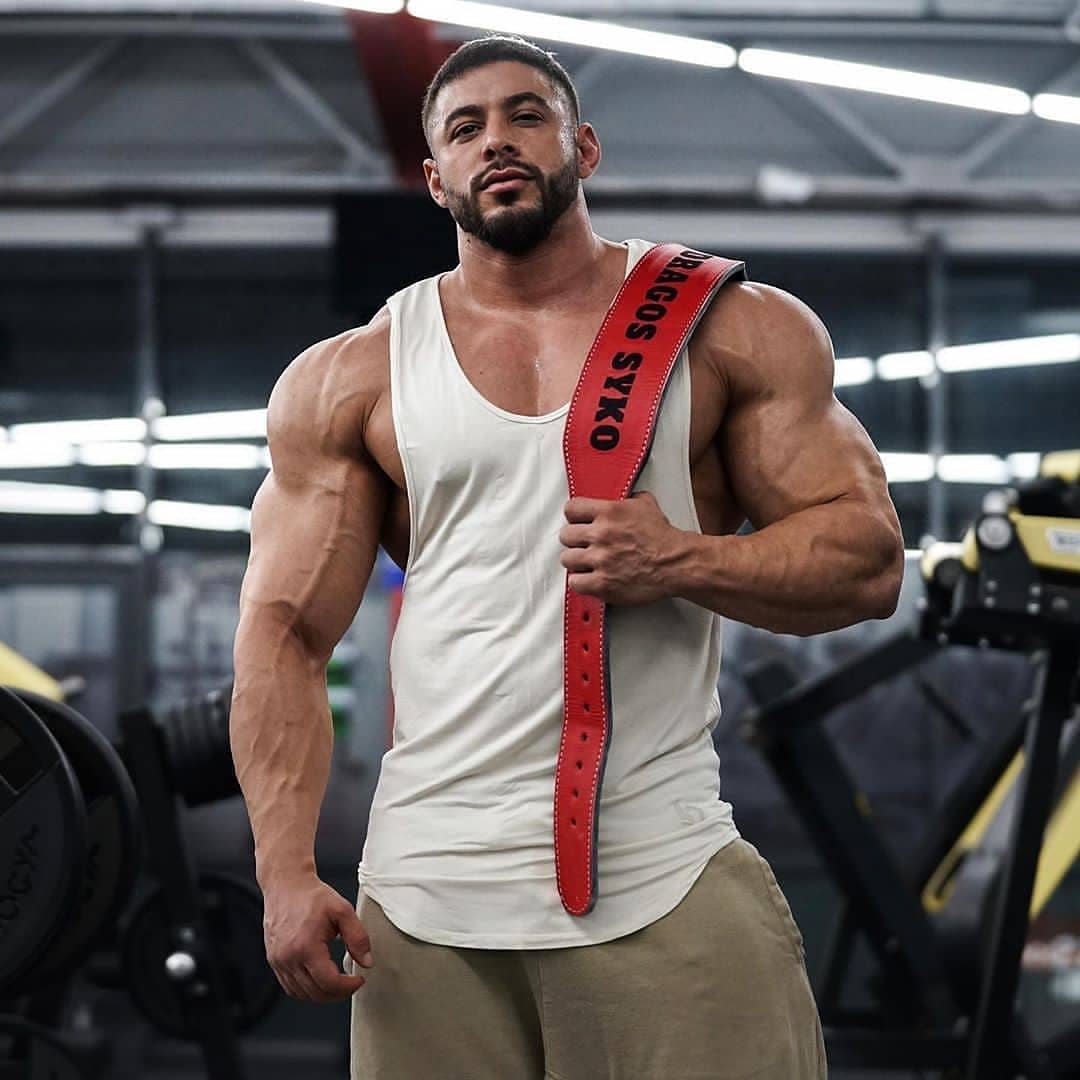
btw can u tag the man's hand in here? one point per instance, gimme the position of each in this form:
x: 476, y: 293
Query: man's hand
x: 302, y: 916
x: 620, y: 551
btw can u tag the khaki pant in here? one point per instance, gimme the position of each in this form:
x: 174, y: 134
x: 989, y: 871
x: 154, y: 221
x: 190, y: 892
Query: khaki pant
x: 715, y: 990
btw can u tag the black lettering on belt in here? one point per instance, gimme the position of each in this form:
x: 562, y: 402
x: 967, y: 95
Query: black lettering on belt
x: 604, y: 438
x: 621, y: 383
x: 670, y: 275
x: 650, y: 312
x: 645, y: 331
x: 611, y: 408
x: 663, y: 293
x: 623, y: 360
x: 685, y: 264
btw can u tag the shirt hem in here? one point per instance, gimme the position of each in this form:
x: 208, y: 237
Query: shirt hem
x: 435, y: 935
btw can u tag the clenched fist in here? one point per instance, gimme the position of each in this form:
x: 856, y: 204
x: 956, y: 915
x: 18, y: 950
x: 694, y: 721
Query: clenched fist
x: 301, y: 917
x: 621, y: 551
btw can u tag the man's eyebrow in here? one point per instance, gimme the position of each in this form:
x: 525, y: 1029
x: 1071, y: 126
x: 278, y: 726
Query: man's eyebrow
x: 507, y: 103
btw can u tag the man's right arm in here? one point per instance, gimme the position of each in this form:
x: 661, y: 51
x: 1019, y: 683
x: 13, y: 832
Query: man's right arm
x: 315, y: 529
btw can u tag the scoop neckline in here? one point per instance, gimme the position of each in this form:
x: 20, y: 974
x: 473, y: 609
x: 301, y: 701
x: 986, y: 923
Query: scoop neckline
x: 519, y: 418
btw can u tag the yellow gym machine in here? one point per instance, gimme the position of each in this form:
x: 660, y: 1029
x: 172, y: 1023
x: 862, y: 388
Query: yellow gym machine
x: 947, y: 935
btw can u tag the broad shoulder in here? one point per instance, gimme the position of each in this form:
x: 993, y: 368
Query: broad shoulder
x: 761, y: 339
x: 327, y: 393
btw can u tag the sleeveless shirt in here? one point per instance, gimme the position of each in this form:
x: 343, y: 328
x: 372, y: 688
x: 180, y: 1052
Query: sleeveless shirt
x: 460, y: 847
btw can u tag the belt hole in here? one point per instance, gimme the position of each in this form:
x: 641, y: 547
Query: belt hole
x: 575, y: 793
x: 584, y: 736
x: 585, y: 646
x: 585, y: 707
x: 584, y: 677
x: 573, y: 821
x: 579, y: 765
x: 585, y: 617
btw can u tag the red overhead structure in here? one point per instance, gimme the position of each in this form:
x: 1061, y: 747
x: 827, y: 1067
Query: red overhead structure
x: 400, y: 54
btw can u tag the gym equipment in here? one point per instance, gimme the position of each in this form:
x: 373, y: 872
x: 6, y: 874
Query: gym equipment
x: 112, y: 839
x: 948, y: 975
x: 43, y: 836
x: 72, y: 808
x: 158, y: 965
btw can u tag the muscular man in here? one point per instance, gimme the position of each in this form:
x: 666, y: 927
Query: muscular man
x: 436, y: 431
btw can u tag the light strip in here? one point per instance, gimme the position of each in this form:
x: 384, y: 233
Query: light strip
x: 973, y: 469
x: 36, y: 455
x: 852, y: 370
x: 125, y: 428
x: 112, y: 454
x: 905, y: 365
x: 1017, y: 352
x: 208, y: 456
x: 238, y: 424
x: 22, y: 498
x: 189, y: 515
x: 599, y: 35
x: 907, y: 468
x: 894, y: 82
x: 1061, y: 107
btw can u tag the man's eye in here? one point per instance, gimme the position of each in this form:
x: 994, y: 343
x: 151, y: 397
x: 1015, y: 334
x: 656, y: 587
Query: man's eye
x: 463, y: 130
x: 528, y: 116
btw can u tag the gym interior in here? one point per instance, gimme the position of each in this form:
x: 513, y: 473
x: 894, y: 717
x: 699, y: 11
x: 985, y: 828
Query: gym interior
x: 194, y: 191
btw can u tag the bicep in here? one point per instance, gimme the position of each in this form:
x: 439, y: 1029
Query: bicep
x: 786, y: 442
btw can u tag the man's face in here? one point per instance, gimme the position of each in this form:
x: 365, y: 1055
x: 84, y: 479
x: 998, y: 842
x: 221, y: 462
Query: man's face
x: 507, y: 159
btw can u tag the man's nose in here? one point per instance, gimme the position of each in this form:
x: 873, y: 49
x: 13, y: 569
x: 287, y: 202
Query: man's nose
x: 499, y: 140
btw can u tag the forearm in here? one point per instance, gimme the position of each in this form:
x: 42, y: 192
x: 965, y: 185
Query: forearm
x: 282, y: 742
x: 820, y: 569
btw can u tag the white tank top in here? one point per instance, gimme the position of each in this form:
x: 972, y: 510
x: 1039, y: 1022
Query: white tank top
x: 460, y: 846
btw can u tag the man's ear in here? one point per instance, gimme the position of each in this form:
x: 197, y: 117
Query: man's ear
x: 588, y: 150
x: 434, y: 181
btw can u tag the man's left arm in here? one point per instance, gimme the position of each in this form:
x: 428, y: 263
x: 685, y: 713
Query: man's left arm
x: 826, y: 551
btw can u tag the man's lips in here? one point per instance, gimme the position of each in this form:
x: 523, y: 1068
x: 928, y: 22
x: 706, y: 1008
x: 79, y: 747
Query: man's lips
x: 505, y: 178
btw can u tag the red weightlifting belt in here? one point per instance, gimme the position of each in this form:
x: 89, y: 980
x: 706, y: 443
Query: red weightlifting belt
x: 609, y: 430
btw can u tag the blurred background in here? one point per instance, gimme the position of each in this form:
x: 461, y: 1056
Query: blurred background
x: 192, y: 192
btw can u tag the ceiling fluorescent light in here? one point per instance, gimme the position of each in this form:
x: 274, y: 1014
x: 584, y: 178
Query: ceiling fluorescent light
x: 872, y: 79
x: 207, y: 456
x: 239, y: 424
x: 907, y: 468
x: 852, y: 370
x: 21, y: 498
x: 123, y: 429
x: 905, y: 365
x: 1061, y: 107
x: 600, y: 35
x: 1018, y: 352
x: 123, y: 502
x: 1024, y: 465
x: 112, y: 453
x: 973, y: 469
x: 199, y: 516
x: 36, y: 455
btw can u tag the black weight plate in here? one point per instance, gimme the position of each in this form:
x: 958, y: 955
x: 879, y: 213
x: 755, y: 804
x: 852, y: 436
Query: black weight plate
x: 39, y: 1053
x: 112, y: 837
x: 42, y: 840
x: 233, y: 913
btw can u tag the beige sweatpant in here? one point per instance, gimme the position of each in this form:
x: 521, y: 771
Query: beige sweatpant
x: 714, y: 990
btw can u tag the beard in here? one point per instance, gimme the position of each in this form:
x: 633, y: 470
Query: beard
x: 516, y: 230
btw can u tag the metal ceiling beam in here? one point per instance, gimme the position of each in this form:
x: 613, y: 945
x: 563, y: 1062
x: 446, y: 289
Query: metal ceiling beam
x: 984, y: 149
x: 38, y: 105
x: 821, y: 105
x: 358, y: 153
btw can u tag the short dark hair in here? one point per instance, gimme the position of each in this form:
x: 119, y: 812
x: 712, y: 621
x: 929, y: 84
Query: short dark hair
x: 490, y: 50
